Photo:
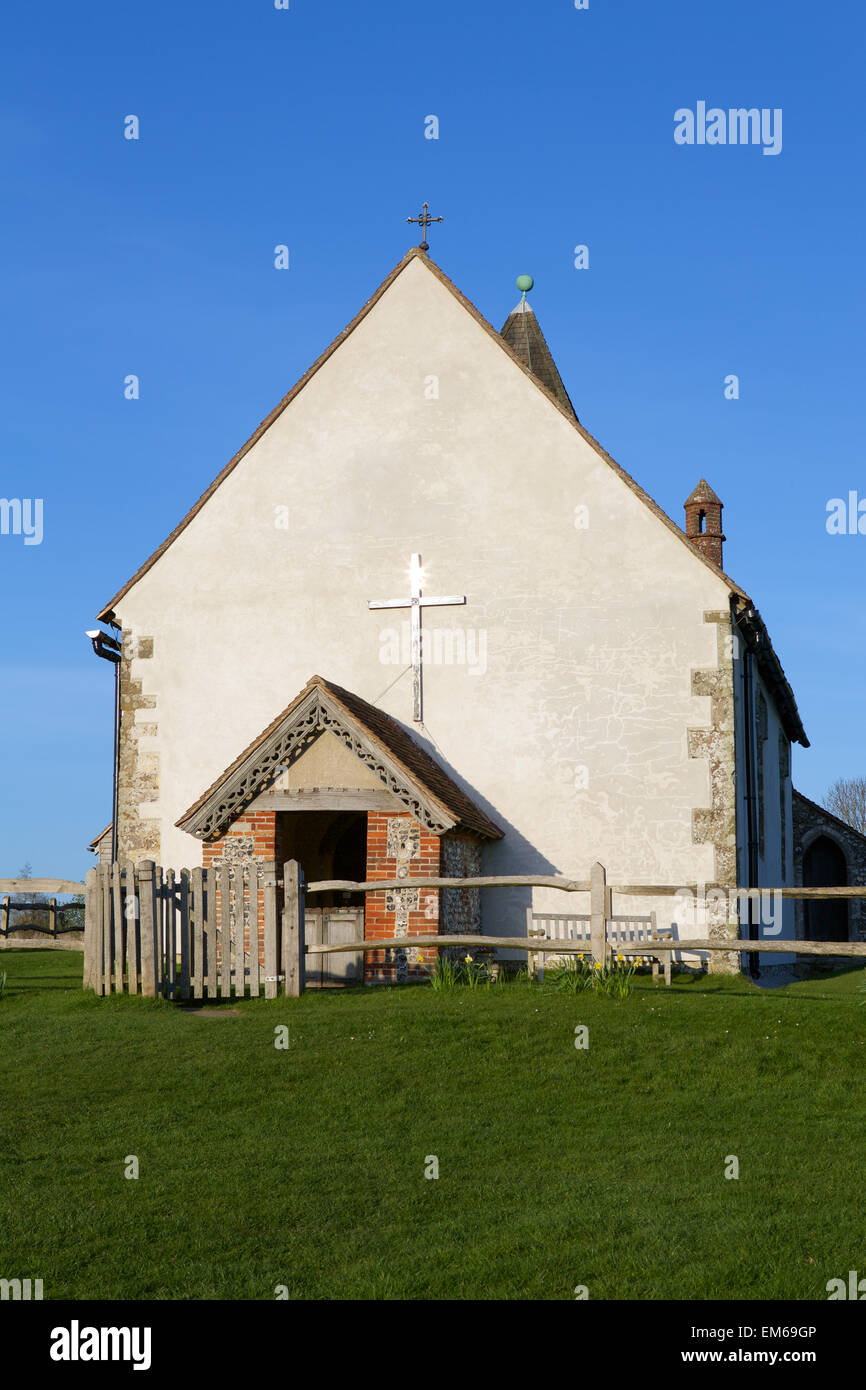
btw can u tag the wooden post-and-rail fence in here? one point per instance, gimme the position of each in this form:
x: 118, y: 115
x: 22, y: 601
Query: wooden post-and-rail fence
x: 200, y: 934
x: 57, y: 917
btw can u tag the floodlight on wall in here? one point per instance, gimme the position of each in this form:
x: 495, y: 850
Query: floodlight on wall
x: 103, y: 645
x: 110, y: 650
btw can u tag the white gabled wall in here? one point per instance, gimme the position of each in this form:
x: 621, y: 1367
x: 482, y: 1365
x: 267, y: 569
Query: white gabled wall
x: 572, y: 729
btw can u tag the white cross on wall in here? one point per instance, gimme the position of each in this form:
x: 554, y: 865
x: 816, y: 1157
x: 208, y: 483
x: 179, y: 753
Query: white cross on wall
x: 415, y: 603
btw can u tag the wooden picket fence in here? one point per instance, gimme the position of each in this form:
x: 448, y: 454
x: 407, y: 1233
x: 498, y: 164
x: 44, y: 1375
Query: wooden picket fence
x: 196, y: 934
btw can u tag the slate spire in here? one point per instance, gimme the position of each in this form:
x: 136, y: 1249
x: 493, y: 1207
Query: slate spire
x: 523, y: 335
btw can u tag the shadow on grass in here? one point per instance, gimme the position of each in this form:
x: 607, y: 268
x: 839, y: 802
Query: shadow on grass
x: 793, y: 990
x: 38, y: 968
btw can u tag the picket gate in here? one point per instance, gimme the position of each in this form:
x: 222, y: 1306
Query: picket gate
x: 192, y: 934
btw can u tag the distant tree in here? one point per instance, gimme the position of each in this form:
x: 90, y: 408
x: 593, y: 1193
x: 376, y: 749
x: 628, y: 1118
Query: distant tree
x: 28, y: 916
x: 70, y: 908
x: 847, y: 800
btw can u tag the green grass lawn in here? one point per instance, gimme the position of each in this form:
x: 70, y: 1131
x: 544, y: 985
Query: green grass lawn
x: 558, y: 1167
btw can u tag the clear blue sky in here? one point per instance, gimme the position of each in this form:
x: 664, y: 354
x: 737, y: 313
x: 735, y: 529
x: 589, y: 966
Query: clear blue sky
x: 306, y: 127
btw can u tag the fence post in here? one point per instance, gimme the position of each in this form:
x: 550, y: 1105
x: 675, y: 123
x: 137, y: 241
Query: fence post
x: 598, y: 909
x: 531, y: 957
x: 293, y: 928
x: 98, y: 965
x: 147, y: 907
x: 185, y: 933
x: 52, y: 917
x: 170, y: 915
x: 160, y: 937
x: 107, y: 924
x: 272, y: 958
x: 255, y: 932
x: 119, y: 927
x: 132, y: 919
x: 91, y: 904
x: 196, y: 894
x: 208, y: 885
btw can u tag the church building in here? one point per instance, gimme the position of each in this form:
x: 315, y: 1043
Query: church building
x: 423, y: 624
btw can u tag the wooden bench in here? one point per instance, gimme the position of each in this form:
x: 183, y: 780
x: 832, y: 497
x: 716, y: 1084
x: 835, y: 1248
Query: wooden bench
x: 642, y: 931
x: 621, y: 931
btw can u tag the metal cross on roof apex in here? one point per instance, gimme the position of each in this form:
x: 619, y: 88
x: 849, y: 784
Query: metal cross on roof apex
x: 424, y: 222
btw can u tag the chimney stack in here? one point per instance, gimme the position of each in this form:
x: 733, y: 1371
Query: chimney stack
x: 704, y: 522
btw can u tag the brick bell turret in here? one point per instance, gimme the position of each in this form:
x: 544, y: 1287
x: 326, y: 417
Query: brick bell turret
x: 704, y: 522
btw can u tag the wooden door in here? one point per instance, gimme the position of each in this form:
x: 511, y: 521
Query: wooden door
x: 343, y: 967
x: 824, y: 866
x: 313, y: 937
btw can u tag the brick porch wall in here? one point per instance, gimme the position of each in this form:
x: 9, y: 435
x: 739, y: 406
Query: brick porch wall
x: 398, y: 846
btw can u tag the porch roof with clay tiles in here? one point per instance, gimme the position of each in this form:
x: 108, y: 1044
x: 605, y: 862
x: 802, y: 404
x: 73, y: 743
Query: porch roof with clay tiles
x: 404, y: 767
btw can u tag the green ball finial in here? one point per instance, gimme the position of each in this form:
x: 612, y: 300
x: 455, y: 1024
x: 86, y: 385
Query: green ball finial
x: 525, y: 283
